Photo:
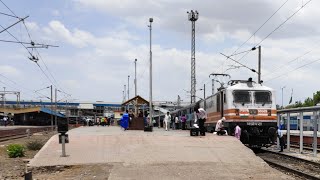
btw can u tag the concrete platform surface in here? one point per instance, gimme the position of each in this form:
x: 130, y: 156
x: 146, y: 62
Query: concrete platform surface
x: 157, y: 155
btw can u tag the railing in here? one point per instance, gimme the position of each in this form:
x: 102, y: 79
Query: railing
x: 315, y: 116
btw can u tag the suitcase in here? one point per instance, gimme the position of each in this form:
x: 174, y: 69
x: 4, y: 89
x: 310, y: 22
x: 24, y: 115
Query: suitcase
x: 148, y: 128
x: 194, y: 131
x: 202, y: 133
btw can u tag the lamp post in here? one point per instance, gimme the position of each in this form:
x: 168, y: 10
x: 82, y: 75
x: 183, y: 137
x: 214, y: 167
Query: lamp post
x: 282, y: 95
x: 135, y: 77
x: 135, y: 87
x: 204, y: 96
x: 150, y: 100
x: 128, y: 86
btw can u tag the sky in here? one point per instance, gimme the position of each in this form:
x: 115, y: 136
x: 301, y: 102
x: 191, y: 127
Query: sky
x: 98, y: 41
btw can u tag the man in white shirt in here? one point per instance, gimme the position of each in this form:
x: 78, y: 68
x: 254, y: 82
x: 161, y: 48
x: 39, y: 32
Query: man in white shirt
x: 219, y: 127
x: 281, y: 139
x: 200, y: 116
x: 167, y: 120
x: 5, y: 119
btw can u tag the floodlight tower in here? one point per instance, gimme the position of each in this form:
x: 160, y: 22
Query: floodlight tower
x: 193, y: 17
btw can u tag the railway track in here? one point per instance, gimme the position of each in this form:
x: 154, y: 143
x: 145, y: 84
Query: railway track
x: 295, y: 166
x: 10, y: 134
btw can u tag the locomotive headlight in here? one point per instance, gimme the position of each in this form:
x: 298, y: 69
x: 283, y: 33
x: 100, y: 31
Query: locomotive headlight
x: 269, y: 112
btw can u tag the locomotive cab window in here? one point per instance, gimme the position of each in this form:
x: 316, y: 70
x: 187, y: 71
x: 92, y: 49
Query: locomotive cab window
x: 241, y: 96
x: 262, y: 97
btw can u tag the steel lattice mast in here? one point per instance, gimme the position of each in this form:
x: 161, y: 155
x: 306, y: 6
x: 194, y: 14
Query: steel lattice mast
x: 193, y: 17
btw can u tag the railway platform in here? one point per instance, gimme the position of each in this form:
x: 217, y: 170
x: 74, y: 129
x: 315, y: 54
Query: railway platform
x: 157, y: 155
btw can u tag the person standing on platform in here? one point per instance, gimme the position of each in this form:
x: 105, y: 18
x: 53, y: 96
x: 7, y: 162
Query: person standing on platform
x: 176, y: 122
x: 200, y: 116
x: 125, y: 121
x: 237, y: 132
x: 5, y: 119
x: 167, y: 120
x: 183, y: 122
x: 281, y: 139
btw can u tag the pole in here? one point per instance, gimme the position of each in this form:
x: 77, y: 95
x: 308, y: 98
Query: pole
x: 125, y: 90
x: 315, y: 130
x: 128, y: 86
x: 135, y: 77
x: 150, y: 101
x: 51, y: 109
x: 63, y: 142
x: 259, y: 66
x: 3, y: 97
x: 288, y: 131
x: 301, y: 133
x: 204, y: 96
x: 135, y: 87
x: 282, y: 97
x: 55, y: 118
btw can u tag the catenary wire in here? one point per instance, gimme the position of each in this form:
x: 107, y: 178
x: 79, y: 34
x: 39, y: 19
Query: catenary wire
x: 281, y: 24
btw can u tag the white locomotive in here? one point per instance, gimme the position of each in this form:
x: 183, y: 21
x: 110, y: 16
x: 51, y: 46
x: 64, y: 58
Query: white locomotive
x: 243, y: 102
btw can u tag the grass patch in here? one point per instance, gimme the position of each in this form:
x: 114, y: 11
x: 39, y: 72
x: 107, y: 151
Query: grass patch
x: 15, y: 150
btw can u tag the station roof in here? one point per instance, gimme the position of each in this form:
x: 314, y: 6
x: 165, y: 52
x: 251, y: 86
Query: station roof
x: 138, y: 98
x: 29, y: 110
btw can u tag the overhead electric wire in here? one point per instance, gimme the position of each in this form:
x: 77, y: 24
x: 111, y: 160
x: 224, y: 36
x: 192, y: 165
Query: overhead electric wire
x: 281, y: 24
x: 17, y: 85
x: 284, y: 65
x: 5, y: 14
x: 260, y: 27
x: 257, y: 29
x: 18, y: 40
x: 293, y: 70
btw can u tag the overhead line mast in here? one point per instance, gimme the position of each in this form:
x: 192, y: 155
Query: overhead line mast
x: 193, y: 17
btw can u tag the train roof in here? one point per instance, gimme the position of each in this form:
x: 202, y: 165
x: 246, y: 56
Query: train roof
x: 248, y: 85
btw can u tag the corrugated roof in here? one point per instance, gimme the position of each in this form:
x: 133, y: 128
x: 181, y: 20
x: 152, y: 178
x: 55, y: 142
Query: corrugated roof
x: 49, y: 111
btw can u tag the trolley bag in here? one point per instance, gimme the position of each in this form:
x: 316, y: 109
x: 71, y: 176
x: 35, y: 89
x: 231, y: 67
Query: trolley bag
x: 202, y: 133
x: 194, y: 131
x: 148, y: 128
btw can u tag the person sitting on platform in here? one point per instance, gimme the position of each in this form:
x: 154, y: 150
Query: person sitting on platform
x: 220, y: 128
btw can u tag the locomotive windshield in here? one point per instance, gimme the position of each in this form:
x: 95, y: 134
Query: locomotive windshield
x: 262, y: 97
x: 241, y: 96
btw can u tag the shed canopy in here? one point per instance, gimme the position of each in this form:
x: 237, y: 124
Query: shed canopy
x: 139, y: 99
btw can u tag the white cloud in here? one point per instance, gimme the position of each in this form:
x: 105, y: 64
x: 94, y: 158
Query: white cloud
x: 9, y: 70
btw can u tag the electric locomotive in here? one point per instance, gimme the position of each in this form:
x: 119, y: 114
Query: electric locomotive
x: 249, y: 104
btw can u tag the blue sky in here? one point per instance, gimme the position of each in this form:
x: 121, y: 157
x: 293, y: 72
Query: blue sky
x: 99, y: 39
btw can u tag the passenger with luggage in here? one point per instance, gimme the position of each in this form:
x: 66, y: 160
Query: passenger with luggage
x: 200, y: 116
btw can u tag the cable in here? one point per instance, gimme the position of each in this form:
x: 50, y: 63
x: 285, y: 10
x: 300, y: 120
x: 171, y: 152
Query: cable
x: 260, y: 27
x: 281, y: 24
x: 294, y: 69
x: 18, y: 40
x: 257, y: 30
x: 280, y: 67
x: 8, y: 15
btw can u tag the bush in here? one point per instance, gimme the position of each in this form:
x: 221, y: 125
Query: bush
x: 34, y: 145
x: 15, y: 150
